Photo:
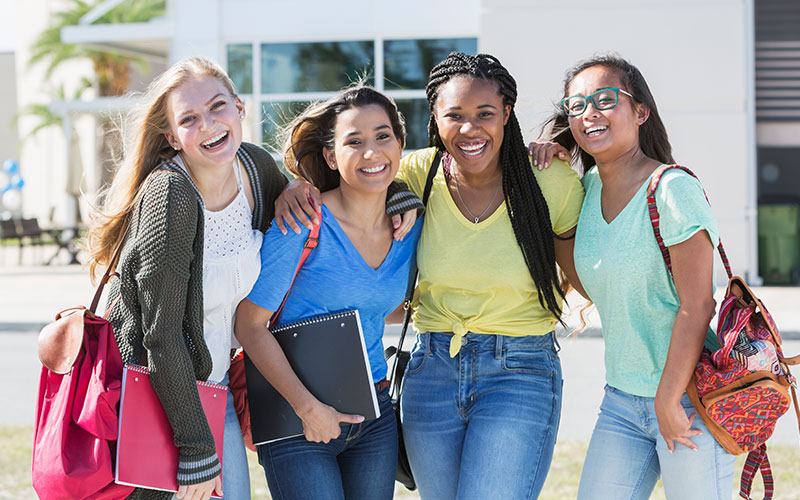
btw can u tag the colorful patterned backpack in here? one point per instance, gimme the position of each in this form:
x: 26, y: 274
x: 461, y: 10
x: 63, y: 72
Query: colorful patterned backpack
x: 741, y: 389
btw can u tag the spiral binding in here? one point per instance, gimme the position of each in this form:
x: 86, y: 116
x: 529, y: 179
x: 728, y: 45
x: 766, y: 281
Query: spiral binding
x: 314, y: 320
x: 144, y: 371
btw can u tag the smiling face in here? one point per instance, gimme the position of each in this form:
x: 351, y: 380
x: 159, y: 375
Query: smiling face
x: 470, y: 116
x: 610, y: 133
x: 205, y: 122
x: 366, y: 152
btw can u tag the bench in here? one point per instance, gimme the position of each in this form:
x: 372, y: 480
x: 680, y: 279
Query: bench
x: 28, y: 232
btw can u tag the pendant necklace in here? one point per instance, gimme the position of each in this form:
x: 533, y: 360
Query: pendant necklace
x: 477, y: 219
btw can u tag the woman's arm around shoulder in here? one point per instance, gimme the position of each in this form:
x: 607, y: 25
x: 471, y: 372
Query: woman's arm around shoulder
x: 269, y: 181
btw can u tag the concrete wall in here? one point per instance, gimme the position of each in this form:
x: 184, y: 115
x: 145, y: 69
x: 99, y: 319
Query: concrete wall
x: 9, y: 140
x: 203, y: 27
x: 697, y: 58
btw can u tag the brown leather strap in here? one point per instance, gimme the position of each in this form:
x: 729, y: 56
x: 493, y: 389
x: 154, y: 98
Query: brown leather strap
x: 796, y: 408
x: 108, y: 274
x: 794, y: 360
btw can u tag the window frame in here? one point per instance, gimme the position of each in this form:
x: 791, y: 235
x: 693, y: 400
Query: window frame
x: 255, y: 101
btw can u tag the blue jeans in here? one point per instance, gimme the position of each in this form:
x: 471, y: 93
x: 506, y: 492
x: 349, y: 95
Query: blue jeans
x: 481, y: 425
x: 235, y: 475
x: 358, y: 465
x: 627, y: 455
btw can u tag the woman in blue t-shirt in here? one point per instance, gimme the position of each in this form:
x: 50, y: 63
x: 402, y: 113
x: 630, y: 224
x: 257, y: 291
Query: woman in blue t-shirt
x: 349, y: 147
x: 654, y: 325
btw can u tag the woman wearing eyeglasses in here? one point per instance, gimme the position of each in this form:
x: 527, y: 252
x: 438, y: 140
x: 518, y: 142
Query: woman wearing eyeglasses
x: 654, y: 327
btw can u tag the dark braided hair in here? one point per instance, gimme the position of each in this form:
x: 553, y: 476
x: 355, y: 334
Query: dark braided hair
x: 527, y: 209
x: 653, y: 139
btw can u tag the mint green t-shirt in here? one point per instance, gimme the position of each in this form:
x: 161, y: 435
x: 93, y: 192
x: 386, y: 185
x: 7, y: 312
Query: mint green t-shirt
x: 622, y: 270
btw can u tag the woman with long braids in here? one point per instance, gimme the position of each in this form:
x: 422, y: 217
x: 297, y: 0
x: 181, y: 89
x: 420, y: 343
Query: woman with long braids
x: 482, y: 395
x: 654, y: 324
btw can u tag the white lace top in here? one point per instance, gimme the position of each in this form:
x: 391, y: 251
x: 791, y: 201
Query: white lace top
x: 231, y: 264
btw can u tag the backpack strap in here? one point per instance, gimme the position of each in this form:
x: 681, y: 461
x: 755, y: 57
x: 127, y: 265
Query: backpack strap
x: 655, y: 217
x: 757, y: 461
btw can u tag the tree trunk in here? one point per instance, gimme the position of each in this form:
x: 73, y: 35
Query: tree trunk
x: 113, y: 76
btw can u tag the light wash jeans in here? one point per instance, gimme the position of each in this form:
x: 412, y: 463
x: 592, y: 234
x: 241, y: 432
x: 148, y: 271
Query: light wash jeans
x: 481, y: 425
x: 235, y: 475
x: 627, y: 455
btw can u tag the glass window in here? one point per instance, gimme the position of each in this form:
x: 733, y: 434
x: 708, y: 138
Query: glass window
x: 290, y: 75
x: 240, y: 66
x: 407, y: 63
x: 416, y: 114
x: 275, y: 116
x: 313, y: 67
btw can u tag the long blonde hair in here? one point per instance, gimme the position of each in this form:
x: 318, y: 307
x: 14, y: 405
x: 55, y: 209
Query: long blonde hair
x: 146, y: 148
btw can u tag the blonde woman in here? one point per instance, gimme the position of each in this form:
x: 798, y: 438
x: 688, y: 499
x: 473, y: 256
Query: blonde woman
x: 197, y: 200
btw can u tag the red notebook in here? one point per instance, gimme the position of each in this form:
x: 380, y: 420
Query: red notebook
x: 146, y: 453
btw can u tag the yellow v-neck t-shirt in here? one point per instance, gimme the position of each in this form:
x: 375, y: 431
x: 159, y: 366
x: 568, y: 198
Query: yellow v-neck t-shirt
x: 473, y: 277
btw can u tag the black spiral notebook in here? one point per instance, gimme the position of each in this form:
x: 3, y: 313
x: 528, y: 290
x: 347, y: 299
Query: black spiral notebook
x: 329, y: 356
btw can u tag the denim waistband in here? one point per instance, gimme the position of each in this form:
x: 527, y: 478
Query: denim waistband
x: 487, y: 341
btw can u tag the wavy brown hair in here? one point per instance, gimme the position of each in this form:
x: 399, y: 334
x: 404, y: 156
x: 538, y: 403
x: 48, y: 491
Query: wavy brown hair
x: 146, y: 148
x: 312, y: 131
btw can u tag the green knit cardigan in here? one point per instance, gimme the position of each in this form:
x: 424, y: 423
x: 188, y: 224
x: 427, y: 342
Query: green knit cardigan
x: 161, y: 302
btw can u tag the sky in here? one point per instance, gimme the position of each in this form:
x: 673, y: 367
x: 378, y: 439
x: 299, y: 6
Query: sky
x: 8, y: 21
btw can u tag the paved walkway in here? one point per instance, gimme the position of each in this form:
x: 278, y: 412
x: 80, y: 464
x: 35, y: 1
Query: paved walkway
x: 30, y: 296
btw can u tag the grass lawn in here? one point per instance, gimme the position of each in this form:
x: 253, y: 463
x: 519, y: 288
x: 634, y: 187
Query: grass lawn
x: 562, y: 482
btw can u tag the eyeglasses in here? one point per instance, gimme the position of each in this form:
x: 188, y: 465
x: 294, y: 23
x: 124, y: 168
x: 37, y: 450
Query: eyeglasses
x: 602, y: 99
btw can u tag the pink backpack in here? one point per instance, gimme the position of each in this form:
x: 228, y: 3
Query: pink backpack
x: 75, y: 434
x: 76, y: 412
x: 741, y: 389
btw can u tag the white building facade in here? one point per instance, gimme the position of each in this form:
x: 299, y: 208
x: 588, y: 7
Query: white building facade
x: 699, y: 57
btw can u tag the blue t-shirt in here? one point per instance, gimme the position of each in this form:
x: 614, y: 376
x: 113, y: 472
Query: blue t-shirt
x: 621, y: 268
x: 335, y: 277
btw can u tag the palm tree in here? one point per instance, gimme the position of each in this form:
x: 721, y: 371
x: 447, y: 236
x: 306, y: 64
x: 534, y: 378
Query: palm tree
x: 112, y: 71
x: 47, y: 118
